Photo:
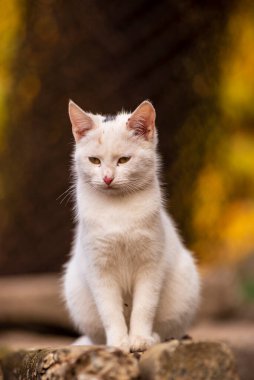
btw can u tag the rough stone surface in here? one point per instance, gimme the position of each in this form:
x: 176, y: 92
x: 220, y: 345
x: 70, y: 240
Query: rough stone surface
x: 175, y: 360
x: 81, y: 363
x: 188, y: 360
x: 245, y: 362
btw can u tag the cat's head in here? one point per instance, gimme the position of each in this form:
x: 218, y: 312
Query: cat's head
x: 115, y: 155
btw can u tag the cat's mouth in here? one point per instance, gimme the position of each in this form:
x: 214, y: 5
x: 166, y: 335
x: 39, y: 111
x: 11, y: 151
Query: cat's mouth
x: 107, y: 188
x: 110, y: 188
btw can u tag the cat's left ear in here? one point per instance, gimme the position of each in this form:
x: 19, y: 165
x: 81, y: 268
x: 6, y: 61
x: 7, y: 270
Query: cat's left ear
x: 80, y: 120
x: 142, y: 120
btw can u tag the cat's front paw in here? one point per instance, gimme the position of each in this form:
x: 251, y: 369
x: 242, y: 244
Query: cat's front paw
x: 142, y: 343
x: 121, y: 342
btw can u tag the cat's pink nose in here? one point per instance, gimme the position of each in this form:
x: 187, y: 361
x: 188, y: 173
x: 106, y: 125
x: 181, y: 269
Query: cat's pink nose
x: 107, y: 180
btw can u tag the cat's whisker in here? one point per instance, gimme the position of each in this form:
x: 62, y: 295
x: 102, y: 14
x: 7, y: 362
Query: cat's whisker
x: 67, y: 194
x: 62, y: 194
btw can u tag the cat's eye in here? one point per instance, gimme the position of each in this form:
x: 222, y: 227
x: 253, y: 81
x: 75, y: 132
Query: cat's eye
x: 123, y: 160
x: 94, y: 160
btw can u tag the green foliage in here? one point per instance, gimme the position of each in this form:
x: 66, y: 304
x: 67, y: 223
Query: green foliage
x: 247, y: 287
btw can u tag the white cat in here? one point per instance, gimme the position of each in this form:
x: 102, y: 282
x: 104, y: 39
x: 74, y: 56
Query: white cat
x: 130, y: 282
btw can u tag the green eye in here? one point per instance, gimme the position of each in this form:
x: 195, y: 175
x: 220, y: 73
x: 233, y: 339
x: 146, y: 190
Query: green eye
x: 94, y: 160
x: 123, y: 160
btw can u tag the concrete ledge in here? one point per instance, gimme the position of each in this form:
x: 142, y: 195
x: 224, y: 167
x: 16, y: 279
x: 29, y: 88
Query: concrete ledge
x: 180, y: 360
x: 69, y: 363
x: 175, y: 360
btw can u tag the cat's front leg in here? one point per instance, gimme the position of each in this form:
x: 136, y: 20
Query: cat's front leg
x: 108, y: 299
x: 145, y: 301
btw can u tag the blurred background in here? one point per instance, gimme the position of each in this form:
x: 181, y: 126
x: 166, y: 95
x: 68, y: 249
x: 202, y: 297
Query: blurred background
x: 195, y: 61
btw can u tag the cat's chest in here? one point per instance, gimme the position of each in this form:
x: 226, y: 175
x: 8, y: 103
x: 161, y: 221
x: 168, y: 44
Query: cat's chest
x: 121, y: 253
x: 114, y: 222
x: 119, y: 218
x: 119, y: 235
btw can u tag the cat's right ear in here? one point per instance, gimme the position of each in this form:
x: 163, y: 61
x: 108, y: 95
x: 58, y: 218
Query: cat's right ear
x: 81, y: 121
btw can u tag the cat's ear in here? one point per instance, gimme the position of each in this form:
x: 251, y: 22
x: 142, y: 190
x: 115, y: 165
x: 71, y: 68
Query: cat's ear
x: 142, y: 120
x: 80, y: 120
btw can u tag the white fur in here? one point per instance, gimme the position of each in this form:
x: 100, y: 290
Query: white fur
x: 130, y: 282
